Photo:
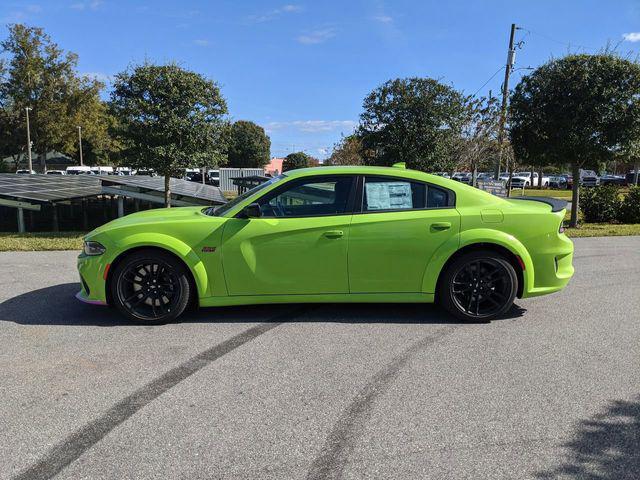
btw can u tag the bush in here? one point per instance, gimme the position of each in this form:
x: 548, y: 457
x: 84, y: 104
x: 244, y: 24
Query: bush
x: 630, y: 208
x: 600, y: 204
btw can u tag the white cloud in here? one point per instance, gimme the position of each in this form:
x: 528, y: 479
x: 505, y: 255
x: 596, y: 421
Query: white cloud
x: 383, y: 18
x: 201, y: 42
x: 316, y: 36
x: 274, y: 14
x: 89, y: 5
x: 313, y: 126
x: 631, y: 37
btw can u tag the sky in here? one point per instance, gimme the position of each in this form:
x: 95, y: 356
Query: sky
x: 302, y: 69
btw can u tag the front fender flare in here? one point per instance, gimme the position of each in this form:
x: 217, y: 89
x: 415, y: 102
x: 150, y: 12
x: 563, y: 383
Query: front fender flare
x: 471, y: 237
x: 173, y: 245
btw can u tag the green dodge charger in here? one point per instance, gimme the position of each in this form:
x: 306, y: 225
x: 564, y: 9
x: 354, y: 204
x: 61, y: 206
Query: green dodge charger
x: 333, y: 234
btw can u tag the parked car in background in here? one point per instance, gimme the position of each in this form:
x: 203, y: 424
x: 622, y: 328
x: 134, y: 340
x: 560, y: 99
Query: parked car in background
x: 145, y: 173
x: 589, y: 178
x: 25, y: 171
x: 214, y: 177
x: 123, y: 171
x: 79, y: 170
x: 102, y: 170
x: 55, y: 172
x: 442, y: 174
x: 523, y: 179
x: 346, y: 234
x: 557, y: 181
x: 608, y: 179
x: 463, y: 177
x: 630, y: 177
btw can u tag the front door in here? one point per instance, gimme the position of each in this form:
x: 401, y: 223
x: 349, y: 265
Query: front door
x: 298, y: 245
x: 401, y: 224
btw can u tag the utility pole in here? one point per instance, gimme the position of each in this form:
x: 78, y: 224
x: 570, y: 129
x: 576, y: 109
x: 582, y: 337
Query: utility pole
x: 80, y: 144
x: 27, y: 110
x: 511, y: 56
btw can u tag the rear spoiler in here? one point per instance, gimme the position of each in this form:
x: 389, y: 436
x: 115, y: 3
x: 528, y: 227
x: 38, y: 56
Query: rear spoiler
x: 556, y: 204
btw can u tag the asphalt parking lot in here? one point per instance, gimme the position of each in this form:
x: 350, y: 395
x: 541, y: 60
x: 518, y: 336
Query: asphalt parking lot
x: 323, y: 391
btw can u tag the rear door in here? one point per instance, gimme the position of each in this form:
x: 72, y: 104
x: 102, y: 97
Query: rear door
x: 400, y: 225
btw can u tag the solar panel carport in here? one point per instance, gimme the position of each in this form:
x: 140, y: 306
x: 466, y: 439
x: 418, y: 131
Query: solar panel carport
x: 32, y: 192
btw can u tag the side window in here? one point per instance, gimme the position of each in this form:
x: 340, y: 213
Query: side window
x: 314, y: 197
x: 383, y: 193
x: 437, y: 197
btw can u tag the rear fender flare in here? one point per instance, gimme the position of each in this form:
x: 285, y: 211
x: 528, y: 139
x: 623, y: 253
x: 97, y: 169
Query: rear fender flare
x: 471, y: 237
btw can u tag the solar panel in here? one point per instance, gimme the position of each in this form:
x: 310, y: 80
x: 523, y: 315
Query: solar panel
x: 54, y: 188
x: 182, y: 188
x: 48, y: 188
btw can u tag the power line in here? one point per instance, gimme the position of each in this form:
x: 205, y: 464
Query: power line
x: 490, y: 78
x: 551, y: 39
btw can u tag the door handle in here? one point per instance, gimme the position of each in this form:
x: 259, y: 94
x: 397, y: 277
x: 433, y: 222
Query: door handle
x: 333, y: 233
x: 439, y: 226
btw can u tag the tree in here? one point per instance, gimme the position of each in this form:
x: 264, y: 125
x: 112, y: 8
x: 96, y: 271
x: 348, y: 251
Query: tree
x: 412, y: 120
x: 478, y: 137
x: 39, y: 75
x: 295, y: 160
x: 249, y: 146
x: 580, y: 109
x: 169, y: 119
x: 348, y: 151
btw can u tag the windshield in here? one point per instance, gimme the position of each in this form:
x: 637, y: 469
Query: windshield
x: 222, y: 209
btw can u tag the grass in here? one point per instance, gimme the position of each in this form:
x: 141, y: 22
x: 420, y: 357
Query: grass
x: 27, y: 242
x: 603, y: 230
x: 533, y: 192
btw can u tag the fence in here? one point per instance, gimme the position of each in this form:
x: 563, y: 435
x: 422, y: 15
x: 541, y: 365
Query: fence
x: 226, y: 174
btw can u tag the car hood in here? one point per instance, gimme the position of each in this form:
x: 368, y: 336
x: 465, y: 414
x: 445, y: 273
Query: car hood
x: 156, y: 215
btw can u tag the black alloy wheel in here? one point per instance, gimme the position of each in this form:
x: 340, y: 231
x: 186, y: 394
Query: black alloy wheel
x: 151, y: 287
x: 479, y: 286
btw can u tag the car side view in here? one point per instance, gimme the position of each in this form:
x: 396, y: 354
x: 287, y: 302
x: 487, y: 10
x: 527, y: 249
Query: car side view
x: 333, y: 234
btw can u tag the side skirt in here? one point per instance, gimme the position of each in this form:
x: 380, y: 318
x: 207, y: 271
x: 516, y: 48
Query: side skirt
x: 322, y: 298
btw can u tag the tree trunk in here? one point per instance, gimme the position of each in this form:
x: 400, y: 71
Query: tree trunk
x: 636, y: 167
x: 474, y: 176
x: 167, y: 191
x: 540, y: 178
x: 532, y: 183
x: 575, y: 195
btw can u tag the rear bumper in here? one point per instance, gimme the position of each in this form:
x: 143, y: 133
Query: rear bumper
x: 553, y: 269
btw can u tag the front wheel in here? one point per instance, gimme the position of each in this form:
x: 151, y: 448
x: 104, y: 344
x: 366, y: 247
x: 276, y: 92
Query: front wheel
x: 478, y: 286
x: 150, y: 286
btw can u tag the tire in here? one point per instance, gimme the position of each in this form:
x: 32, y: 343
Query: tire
x: 151, y: 287
x: 460, y: 290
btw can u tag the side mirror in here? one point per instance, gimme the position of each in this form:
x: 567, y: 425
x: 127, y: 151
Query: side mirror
x: 252, y: 211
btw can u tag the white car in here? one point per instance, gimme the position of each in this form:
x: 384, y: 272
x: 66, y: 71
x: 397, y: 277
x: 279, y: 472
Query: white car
x: 83, y: 170
x: 523, y: 179
x: 55, y: 172
x: 25, y: 171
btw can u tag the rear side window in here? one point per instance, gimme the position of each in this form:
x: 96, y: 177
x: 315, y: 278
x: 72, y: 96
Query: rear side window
x: 381, y: 193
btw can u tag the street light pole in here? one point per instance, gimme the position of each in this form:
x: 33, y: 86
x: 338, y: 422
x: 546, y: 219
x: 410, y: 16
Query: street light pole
x: 80, y: 144
x: 27, y: 110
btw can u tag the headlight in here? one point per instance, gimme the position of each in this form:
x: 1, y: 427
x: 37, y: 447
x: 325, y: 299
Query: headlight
x: 93, y: 248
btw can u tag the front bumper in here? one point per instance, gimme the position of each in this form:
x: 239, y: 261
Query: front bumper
x: 92, y: 277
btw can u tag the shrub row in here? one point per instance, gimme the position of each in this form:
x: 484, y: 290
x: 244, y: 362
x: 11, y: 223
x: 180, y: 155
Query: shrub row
x: 605, y: 204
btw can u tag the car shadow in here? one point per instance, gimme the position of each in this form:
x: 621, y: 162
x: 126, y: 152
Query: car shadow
x: 604, y: 447
x: 57, y: 305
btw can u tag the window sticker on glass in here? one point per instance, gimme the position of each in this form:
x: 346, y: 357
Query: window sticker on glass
x: 388, y: 195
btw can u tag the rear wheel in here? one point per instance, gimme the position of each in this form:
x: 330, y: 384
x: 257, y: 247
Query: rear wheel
x: 478, y: 286
x: 151, y: 286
